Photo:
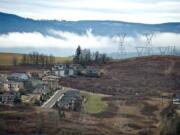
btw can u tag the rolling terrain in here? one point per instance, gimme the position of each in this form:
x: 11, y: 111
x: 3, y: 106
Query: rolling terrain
x: 131, y: 103
x: 143, y: 76
x: 136, y: 86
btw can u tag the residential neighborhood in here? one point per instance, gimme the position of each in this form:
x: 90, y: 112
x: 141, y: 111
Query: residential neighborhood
x: 37, y: 87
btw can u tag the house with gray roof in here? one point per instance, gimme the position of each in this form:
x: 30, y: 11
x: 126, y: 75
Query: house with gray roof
x: 18, y: 77
x: 70, y: 101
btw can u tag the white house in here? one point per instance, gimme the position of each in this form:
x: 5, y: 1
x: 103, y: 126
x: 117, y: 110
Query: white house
x: 62, y: 70
x: 7, y: 98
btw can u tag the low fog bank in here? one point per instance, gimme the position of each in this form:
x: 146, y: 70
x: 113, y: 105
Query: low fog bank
x: 61, y: 43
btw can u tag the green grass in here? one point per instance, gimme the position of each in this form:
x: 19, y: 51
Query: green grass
x: 94, y: 104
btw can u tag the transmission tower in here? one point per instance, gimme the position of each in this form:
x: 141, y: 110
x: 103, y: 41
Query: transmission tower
x: 164, y: 50
x: 148, y: 44
x: 121, y: 46
x: 172, y: 50
x: 140, y: 50
x: 147, y: 48
x: 168, y: 50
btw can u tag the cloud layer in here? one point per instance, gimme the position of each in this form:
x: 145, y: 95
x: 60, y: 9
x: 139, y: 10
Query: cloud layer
x: 144, y: 11
x: 69, y: 41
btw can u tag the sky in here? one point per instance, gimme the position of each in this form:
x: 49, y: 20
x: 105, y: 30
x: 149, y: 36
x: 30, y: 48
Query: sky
x: 143, y: 11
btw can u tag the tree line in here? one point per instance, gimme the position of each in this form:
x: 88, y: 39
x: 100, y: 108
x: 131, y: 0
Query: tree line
x: 37, y: 59
x: 85, y: 56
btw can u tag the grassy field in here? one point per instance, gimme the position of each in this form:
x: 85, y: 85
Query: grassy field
x: 94, y: 104
x: 7, y: 58
x: 63, y: 59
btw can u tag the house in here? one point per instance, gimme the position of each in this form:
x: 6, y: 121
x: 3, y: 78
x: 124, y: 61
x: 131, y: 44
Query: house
x: 63, y: 70
x: 3, y: 77
x: 50, y: 78
x: 176, y: 100
x: 30, y: 98
x: 90, y: 72
x: 7, y: 98
x: 28, y: 85
x: 18, y: 77
x: 70, y: 101
x: 15, y: 86
x: 59, y: 70
x: 11, y: 86
x: 71, y: 71
x: 40, y: 89
x: 4, y: 87
x: 52, y: 82
x: 36, y: 75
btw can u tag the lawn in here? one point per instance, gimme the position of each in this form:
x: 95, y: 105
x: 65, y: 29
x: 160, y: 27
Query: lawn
x: 94, y: 104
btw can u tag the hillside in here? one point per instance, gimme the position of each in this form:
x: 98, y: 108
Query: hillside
x: 13, y: 23
x: 7, y: 58
x: 134, y: 109
x: 142, y: 76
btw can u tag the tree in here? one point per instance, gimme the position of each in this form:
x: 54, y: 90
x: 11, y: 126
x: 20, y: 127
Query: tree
x: 24, y: 59
x: 37, y: 59
x: 96, y: 56
x: 85, y: 57
x: 104, y: 58
x: 51, y: 59
x: 78, y: 51
x: 15, y: 61
x: 77, y: 55
x: 88, y: 56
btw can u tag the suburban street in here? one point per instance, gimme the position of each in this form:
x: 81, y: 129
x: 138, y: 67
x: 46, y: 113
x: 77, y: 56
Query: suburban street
x: 56, y: 96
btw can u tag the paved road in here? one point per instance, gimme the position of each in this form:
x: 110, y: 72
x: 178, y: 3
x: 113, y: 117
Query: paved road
x: 56, y: 96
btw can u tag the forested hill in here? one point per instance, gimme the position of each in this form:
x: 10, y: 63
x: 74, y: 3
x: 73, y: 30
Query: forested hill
x: 13, y: 23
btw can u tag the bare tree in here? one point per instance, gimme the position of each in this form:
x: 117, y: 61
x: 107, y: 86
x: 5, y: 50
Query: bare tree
x: 15, y: 61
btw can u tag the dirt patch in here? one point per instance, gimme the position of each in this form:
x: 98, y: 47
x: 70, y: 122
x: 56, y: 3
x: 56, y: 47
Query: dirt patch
x: 149, y: 109
x: 134, y: 126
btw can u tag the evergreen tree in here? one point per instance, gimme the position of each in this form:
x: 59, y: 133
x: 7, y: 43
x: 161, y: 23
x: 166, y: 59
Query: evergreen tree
x: 77, y: 55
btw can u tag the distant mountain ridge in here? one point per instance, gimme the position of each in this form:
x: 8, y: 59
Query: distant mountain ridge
x: 13, y: 23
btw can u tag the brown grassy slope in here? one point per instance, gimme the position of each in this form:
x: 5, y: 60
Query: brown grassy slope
x: 7, y: 58
x: 27, y: 120
x: 145, y: 75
